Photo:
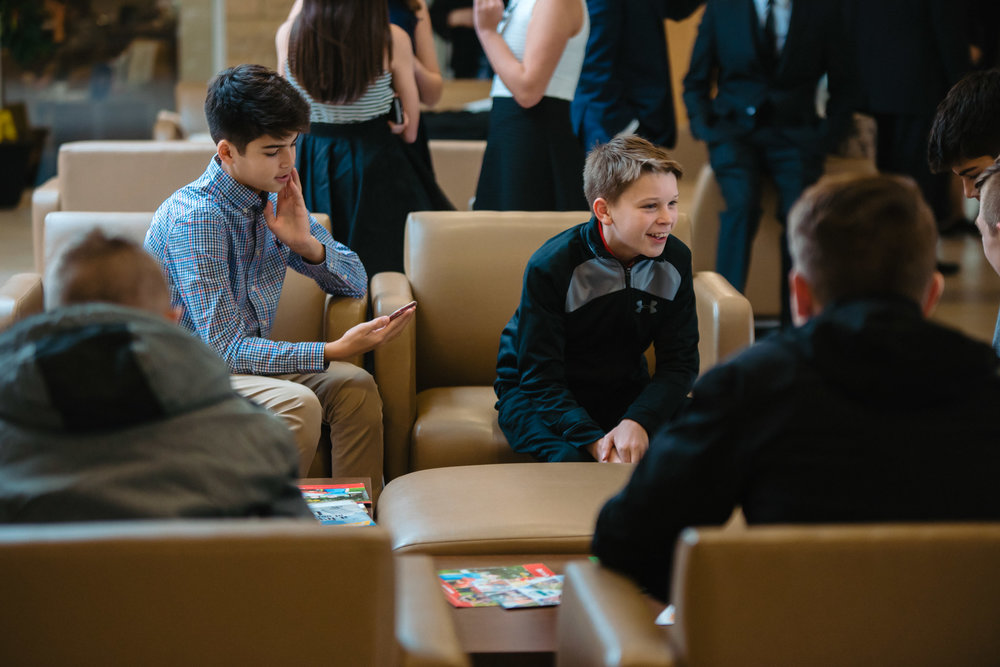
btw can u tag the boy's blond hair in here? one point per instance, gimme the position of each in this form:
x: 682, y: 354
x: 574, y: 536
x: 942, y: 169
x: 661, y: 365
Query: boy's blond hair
x: 612, y: 167
x: 110, y: 270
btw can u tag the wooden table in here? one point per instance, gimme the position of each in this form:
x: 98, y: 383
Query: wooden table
x: 498, y: 636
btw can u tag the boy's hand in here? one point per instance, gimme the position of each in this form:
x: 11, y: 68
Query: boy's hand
x: 290, y: 222
x: 367, y: 336
x: 625, y: 443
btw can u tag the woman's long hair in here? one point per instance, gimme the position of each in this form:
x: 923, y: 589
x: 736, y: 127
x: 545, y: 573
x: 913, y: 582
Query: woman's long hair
x: 338, y: 47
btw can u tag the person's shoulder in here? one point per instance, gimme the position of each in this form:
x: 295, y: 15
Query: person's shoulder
x: 676, y: 252
x: 556, y: 251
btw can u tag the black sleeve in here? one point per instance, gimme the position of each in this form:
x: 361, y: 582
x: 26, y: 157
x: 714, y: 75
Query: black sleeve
x: 690, y: 476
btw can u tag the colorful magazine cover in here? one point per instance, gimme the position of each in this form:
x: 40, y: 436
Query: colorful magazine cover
x: 489, y: 586
x: 320, y: 493
x: 341, y: 513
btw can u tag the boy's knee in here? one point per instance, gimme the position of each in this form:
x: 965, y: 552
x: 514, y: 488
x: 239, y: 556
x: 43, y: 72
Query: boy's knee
x: 353, y: 392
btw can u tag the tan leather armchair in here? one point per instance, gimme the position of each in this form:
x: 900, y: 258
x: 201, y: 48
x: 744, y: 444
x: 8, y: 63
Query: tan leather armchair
x: 465, y: 271
x: 217, y: 592
x: 892, y: 594
x: 305, y: 312
x: 115, y: 176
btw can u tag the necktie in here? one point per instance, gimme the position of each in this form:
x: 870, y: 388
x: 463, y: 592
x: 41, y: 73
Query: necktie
x: 770, y: 36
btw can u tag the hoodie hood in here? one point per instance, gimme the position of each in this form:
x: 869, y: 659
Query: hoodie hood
x: 95, y: 367
x: 882, y: 351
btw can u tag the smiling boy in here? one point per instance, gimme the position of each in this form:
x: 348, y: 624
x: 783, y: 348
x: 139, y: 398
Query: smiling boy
x: 572, y: 381
x: 224, y: 242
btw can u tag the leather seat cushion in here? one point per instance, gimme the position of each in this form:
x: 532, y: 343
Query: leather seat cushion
x: 458, y: 426
x: 515, y: 508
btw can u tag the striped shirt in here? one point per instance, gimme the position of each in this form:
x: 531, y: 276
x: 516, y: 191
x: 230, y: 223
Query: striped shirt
x: 225, y: 270
x: 373, y: 103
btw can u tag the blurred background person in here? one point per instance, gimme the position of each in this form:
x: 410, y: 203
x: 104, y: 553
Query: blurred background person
x: 533, y: 161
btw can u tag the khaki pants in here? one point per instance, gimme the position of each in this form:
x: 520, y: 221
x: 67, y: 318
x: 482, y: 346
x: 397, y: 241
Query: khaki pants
x: 344, y: 397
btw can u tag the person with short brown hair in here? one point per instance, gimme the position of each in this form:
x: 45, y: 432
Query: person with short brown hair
x: 572, y: 380
x: 866, y: 411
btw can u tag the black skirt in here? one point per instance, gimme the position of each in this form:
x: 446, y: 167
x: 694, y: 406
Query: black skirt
x: 533, y: 161
x: 360, y: 175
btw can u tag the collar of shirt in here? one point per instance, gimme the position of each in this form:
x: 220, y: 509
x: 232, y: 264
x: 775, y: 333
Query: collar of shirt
x: 782, y: 15
x: 240, y: 196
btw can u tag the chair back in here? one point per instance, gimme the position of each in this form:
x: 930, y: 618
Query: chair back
x: 466, y: 269
x: 205, y: 592
x: 127, y: 175
x: 920, y: 594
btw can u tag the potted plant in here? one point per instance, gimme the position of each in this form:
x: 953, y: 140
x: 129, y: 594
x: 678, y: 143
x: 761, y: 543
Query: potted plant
x: 24, y: 41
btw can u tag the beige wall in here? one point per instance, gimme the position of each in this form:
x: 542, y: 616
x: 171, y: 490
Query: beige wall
x: 250, y: 28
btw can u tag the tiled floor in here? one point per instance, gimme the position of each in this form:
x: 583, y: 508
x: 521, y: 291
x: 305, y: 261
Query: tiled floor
x: 970, y: 300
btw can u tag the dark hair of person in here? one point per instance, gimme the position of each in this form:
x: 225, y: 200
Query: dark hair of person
x: 854, y: 236
x: 966, y: 124
x: 337, y: 48
x: 247, y: 102
x: 612, y: 167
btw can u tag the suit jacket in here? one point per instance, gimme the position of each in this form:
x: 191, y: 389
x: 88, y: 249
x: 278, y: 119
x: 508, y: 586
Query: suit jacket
x: 626, y: 71
x: 726, y: 54
x: 909, y: 52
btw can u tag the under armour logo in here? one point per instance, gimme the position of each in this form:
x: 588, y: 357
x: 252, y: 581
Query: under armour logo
x: 639, y: 306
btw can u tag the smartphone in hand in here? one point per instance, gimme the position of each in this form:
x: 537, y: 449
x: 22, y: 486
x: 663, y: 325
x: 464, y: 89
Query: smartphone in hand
x: 402, y: 309
x: 396, y: 111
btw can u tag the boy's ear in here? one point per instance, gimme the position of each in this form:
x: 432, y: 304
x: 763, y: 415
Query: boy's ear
x: 601, y: 211
x: 933, y: 293
x: 225, y: 149
x: 804, y: 304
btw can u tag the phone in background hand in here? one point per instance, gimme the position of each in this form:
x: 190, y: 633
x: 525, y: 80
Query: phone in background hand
x: 402, y: 309
x: 396, y: 111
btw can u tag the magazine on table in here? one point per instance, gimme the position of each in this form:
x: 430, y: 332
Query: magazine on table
x: 511, y: 586
x: 316, y: 493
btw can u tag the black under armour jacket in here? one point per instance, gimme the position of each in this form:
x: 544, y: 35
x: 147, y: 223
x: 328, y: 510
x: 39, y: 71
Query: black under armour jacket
x: 575, y: 344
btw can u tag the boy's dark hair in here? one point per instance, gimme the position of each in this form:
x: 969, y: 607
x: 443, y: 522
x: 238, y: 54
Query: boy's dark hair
x: 106, y: 269
x: 854, y: 236
x: 967, y: 122
x: 612, y: 167
x: 247, y: 102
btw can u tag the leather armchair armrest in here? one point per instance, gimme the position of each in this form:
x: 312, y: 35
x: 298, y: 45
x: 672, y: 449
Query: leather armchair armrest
x: 605, y: 620
x: 395, y: 372
x: 340, y: 314
x: 44, y: 200
x: 424, y: 627
x: 729, y: 313
x: 20, y: 297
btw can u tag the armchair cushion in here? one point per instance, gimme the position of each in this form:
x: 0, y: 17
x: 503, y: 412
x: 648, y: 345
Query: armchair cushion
x: 517, y: 508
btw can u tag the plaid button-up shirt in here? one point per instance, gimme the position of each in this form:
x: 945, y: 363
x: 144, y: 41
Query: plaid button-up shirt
x: 225, y: 269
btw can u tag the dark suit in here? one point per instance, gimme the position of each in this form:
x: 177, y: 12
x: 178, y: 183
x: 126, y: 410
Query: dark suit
x: 626, y: 71
x: 763, y: 119
x: 909, y: 54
